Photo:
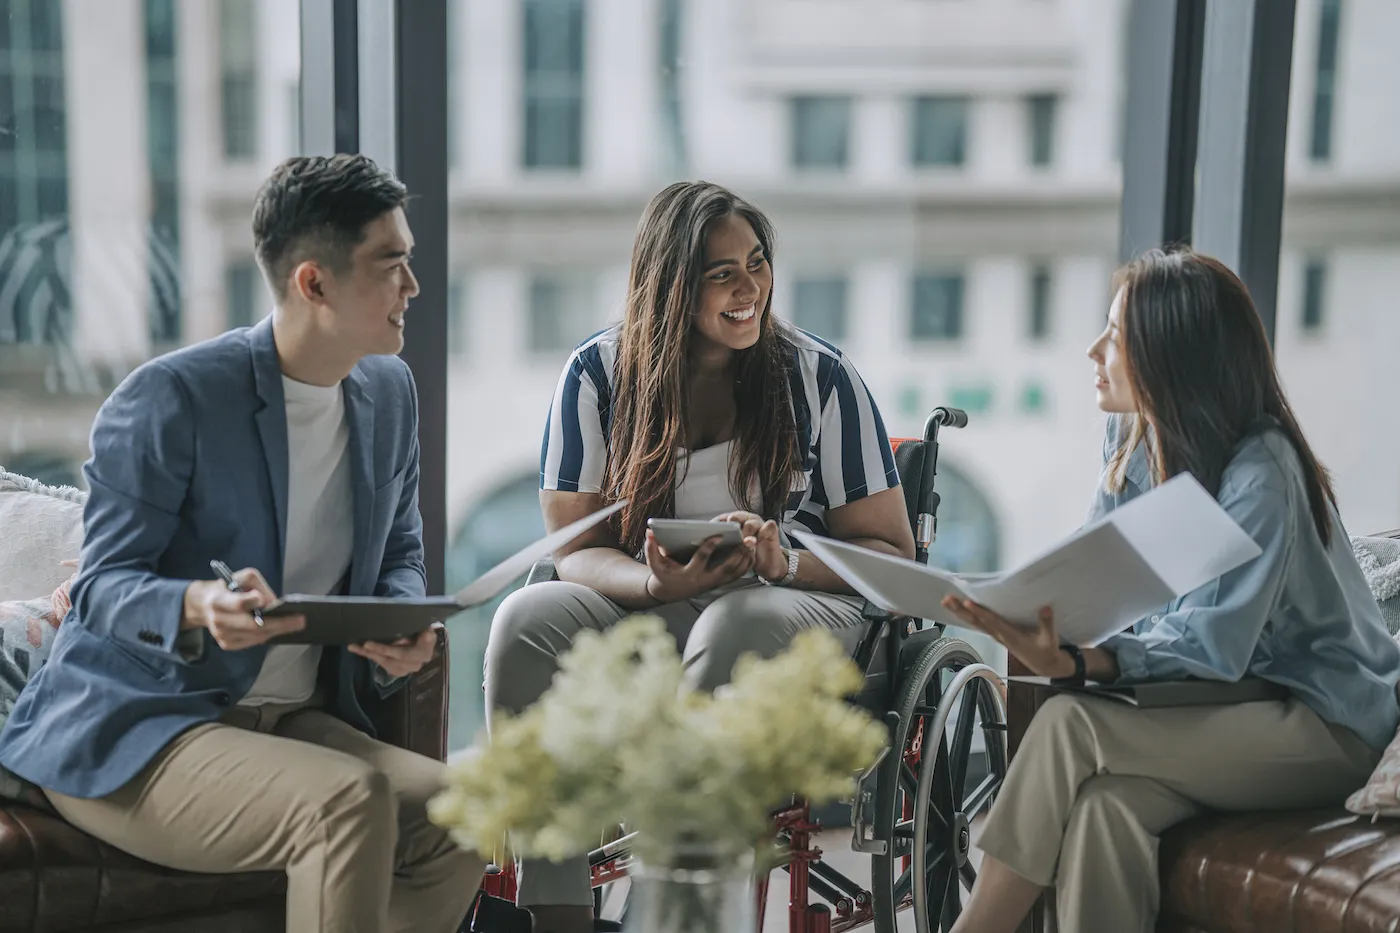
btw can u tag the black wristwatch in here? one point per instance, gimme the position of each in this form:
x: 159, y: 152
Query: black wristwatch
x: 1077, y: 678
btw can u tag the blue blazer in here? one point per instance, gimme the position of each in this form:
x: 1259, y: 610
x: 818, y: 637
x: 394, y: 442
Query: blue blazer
x: 189, y: 463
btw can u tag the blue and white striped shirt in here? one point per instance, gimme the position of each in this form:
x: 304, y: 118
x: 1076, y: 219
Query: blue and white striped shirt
x: 845, y: 451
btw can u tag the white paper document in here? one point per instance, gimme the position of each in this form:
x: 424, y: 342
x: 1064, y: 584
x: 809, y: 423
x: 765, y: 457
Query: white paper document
x: 485, y: 587
x: 1100, y: 580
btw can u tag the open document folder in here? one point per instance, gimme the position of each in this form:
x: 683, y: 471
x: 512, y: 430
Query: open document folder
x: 345, y: 620
x: 1099, y: 581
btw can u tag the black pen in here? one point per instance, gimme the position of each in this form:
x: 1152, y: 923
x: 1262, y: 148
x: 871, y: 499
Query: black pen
x: 226, y: 575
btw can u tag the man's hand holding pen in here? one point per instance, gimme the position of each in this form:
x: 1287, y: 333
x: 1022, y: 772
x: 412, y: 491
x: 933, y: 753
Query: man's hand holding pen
x: 232, y: 616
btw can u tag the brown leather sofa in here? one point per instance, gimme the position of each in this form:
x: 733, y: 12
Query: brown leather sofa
x: 54, y: 879
x: 1320, y: 871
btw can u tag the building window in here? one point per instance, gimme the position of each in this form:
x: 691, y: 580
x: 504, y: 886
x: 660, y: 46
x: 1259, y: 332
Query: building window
x: 241, y: 293
x: 937, y: 307
x: 1040, y: 114
x: 1039, y: 323
x: 553, y: 58
x: 821, y: 130
x: 561, y: 312
x: 35, y: 301
x: 939, y: 135
x: 238, y: 72
x: 1314, y: 295
x: 819, y: 306
x: 163, y: 157
x: 1324, y: 93
x: 672, y: 115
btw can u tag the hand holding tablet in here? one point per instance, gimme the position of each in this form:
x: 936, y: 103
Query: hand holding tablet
x: 680, y: 538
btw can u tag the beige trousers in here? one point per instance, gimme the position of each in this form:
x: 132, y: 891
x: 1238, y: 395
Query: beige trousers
x: 291, y: 788
x: 1095, y: 782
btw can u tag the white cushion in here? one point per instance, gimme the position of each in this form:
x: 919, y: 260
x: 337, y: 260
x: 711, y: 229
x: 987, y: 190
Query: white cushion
x: 43, y: 528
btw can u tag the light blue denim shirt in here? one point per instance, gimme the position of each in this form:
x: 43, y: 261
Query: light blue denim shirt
x: 1300, y: 614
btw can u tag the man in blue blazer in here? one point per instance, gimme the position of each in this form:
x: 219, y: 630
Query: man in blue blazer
x: 164, y: 723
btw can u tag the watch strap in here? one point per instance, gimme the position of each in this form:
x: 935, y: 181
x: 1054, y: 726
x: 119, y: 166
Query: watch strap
x: 793, y: 558
x: 1076, y: 679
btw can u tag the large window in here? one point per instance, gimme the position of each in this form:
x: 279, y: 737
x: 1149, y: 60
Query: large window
x: 122, y: 232
x: 553, y: 67
x: 1339, y: 268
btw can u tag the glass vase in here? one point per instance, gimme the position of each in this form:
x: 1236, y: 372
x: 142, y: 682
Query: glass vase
x: 702, y: 891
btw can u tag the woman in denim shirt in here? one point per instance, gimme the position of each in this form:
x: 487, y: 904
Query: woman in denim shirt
x: 1186, y: 371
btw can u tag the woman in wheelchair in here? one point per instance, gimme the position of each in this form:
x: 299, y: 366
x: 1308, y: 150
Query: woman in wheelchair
x: 699, y: 405
x: 1186, y: 369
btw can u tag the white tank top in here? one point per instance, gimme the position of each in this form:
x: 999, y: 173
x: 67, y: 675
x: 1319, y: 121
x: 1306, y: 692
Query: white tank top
x: 704, y: 491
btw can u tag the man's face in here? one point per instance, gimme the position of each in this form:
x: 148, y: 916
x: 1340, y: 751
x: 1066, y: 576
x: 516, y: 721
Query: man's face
x: 368, y: 299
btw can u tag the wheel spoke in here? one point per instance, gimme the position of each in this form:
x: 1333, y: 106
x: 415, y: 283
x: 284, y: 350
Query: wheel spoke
x: 969, y: 875
x: 979, y: 799
x: 936, y: 891
x: 961, y: 750
x: 908, y: 782
x: 952, y: 903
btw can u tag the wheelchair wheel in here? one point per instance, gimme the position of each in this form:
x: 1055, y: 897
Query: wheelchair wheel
x: 929, y: 790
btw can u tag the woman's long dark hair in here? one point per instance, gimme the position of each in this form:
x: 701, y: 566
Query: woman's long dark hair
x: 650, y: 417
x: 1203, y: 374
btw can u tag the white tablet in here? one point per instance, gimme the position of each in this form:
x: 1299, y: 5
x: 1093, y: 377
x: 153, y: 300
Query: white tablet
x: 680, y: 538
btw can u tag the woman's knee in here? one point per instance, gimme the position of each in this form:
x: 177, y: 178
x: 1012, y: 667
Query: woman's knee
x: 530, y: 629
x: 750, y: 621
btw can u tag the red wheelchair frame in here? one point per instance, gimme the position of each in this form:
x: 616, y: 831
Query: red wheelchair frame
x: 919, y: 811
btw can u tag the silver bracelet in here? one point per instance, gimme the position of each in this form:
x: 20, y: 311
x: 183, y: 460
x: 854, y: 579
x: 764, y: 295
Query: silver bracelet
x: 793, y: 557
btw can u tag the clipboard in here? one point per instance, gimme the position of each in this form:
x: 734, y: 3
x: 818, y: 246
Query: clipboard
x: 348, y: 620
x: 1163, y: 694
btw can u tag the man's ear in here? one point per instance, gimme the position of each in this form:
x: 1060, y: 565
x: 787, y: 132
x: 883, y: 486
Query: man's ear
x: 309, y: 281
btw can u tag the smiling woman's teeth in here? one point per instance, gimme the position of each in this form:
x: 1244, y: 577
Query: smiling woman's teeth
x: 743, y: 315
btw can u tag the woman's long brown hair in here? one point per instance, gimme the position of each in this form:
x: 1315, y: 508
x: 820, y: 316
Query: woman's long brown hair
x: 1203, y: 374
x: 651, y: 378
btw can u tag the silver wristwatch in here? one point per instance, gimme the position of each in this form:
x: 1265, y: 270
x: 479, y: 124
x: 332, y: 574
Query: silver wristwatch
x: 786, y: 579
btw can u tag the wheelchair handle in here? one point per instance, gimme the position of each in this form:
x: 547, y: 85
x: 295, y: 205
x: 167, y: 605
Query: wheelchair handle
x: 926, y: 528
x: 946, y: 417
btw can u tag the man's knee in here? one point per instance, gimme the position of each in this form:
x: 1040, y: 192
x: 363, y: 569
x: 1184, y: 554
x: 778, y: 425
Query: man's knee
x: 750, y: 621
x: 1059, y: 721
x: 358, y: 799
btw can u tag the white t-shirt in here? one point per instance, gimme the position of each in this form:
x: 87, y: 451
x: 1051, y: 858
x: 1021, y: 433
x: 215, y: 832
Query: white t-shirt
x: 320, y: 528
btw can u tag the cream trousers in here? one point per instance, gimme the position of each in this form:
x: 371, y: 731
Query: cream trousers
x: 1095, y: 782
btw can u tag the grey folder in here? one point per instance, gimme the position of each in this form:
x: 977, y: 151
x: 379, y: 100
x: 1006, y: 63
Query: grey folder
x: 348, y: 620
x: 1165, y: 693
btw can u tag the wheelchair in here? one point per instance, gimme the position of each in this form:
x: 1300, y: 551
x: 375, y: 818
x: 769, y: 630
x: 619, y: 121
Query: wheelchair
x: 913, y: 810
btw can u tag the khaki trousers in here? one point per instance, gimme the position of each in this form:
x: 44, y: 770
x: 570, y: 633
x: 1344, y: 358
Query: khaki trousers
x: 1095, y: 782
x: 292, y: 788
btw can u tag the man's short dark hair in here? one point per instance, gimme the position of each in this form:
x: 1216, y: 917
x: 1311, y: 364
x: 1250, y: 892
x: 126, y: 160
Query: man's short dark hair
x: 317, y: 207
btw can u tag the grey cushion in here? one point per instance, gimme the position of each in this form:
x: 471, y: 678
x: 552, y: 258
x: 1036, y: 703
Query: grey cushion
x: 1380, y: 562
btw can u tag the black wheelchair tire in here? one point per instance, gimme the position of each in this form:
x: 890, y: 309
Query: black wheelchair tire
x: 896, y: 782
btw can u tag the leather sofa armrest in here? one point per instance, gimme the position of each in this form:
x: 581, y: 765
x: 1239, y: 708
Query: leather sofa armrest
x: 415, y: 717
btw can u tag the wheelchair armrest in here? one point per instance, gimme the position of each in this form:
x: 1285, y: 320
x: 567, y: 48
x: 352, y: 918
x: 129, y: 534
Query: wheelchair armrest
x: 542, y: 572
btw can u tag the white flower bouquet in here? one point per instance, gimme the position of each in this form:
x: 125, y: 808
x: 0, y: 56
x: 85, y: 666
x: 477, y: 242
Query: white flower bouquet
x: 617, y: 740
